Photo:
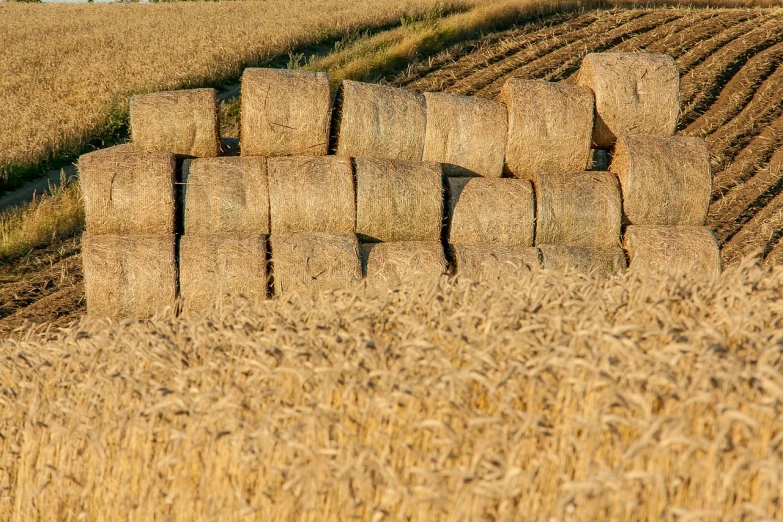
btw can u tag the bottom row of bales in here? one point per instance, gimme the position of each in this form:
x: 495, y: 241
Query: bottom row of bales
x: 136, y: 276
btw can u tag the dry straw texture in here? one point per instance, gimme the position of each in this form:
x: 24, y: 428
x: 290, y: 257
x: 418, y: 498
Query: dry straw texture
x: 466, y: 134
x: 214, y: 267
x: 578, y: 209
x: 549, y: 127
x: 226, y: 195
x: 314, y: 261
x: 398, y: 200
x: 129, y: 276
x: 546, y: 397
x: 493, y: 262
x: 600, y: 262
x: 389, y: 265
x: 665, y: 180
x: 128, y: 192
x: 311, y: 194
x: 635, y: 93
x: 676, y: 250
x: 379, y: 121
x: 285, y: 113
x: 491, y: 212
x: 180, y: 122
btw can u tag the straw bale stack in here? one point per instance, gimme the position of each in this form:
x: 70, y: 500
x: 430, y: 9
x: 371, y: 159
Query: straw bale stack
x: 635, y: 94
x: 549, y: 127
x: 402, y: 263
x: 215, y: 267
x: 314, y: 261
x: 380, y: 122
x: 665, y: 180
x: 675, y: 250
x: 311, y: 194
x: 180, y: 122
x: 285, y: 113
x: 128, y: 192
x: 398, y: 200
x: 486, y: 211
x: 578, y: 209
x: 129, y: 276
x: 595, y: 261
x: 466, y: 134
x: 226, y: 195
x: 494, y: 262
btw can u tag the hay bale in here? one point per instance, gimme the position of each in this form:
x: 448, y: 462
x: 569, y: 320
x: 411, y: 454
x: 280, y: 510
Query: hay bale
x: 380, y: 122
x: 128, y: 192
x: 314, y: 261
x: 665, y: 180
x: 494, y: 262
x: 214, y: 267
x: 285, y: 113
x: 398, y: 200
x: 402, y: 263
x: 594, y: 261
x: 674, y: 250
x: 578, y: 209
x: 180, y: 122
x: 311, y: 194
x: 486, y: 211
x: 129, y: 276
x: 635, y: 93
x: 226, y: 195
x: 549, y: 127
x: 466, y: 134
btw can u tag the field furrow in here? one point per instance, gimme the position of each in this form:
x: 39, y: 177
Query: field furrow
x: 758, y: 235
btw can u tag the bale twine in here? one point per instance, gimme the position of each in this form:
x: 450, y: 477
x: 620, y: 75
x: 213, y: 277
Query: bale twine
x: 635, y: 93
x: 494, y: 262
x: 549, y: 127
x: 578, y: 209
x: 180, y: 122
x: 466, y: 134
x: 285, y: 113
x: 398, y: 200
x: 311, y: 194
x: 314, y: 261
x: 675, y: 250
x: 665, y: 180
x: 388, y: 265
x: 491, y: 212
x: 378, y: 121
x: 595, y: 261
x: 226, y: 195
x: 128, y: 192
x: 129, y: 276
x: 214, y: 267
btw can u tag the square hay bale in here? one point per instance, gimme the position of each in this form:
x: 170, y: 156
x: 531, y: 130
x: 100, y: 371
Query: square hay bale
x: 213, y: 268
x: 129, y: 276
x: 181, y: 122
x: 314, y: 261
x: 549, y: 127
x: 387, y: 265
x: 602, y: 262
x: 311, y: 194
x: 466, y: 134
x: 675, y: 250
x: 378, y: 121
x: 398, y: 200
x: 485, y: 211
x: 578, y: 209
x: 635, y: 94
x: 128, y: 192
x: 285, y: 113
x: 494, y: 262
x: 226, y: 195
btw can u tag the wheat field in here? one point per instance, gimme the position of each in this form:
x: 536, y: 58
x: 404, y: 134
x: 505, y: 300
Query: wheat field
x: 550, y: 398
